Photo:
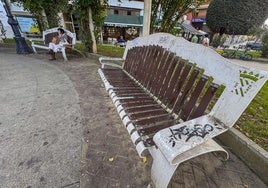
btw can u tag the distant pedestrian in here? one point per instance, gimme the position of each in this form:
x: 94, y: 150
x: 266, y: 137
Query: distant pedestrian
x: 194, y: 39
x: 205, y: 41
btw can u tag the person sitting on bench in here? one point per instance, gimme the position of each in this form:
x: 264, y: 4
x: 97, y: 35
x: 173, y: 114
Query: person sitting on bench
x: 56, y: 43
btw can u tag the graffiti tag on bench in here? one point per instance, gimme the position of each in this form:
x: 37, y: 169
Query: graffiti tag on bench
x: 197, y: 131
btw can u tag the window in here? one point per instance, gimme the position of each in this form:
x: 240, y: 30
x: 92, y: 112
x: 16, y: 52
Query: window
x: 115, y: 11
x: 129, y: 13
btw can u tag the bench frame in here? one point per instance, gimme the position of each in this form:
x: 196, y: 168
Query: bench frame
x: 241, y: 85
x: 47, y: 38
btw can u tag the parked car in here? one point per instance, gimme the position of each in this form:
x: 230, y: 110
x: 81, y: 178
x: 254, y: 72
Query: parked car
x: 252, y: 45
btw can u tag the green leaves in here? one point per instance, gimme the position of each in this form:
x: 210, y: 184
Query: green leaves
x: 46, y: 11
x: 169, y: 12
x: 236, y: 16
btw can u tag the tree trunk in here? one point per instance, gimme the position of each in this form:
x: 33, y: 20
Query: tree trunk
x: 146, y: 17
x: 44, y: 20
x: 91, y: 27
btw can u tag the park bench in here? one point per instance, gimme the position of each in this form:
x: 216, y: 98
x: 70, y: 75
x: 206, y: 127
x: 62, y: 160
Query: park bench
x: 174, y: 97
x: 47, y: 38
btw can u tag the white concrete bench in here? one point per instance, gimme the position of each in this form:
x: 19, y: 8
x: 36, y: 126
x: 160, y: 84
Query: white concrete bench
x: 47, y: 38
x: 174, y: 97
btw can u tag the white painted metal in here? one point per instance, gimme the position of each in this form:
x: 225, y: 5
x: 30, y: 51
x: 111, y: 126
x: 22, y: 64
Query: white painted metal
x: 102, y: 59
x: 130, y: 128
x: 140, y: 147
x: 162, y: 171
x: 165, y: 141
x: 241, y: 85
x: 135, y: 137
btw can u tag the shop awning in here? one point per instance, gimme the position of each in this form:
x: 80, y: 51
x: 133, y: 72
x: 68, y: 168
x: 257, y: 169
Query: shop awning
x: 190, y: 29
x: 123, y: 21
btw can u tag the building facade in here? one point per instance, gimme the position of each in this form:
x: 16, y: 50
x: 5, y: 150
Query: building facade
x: 124, y: 19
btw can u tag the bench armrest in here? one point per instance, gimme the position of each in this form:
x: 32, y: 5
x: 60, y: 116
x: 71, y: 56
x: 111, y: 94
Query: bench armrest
x: 178, y: 139
x: 33, y: 41
x: 110, y: 63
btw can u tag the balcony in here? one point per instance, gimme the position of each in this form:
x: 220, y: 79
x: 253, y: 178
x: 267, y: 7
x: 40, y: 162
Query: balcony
x: 123, y: 21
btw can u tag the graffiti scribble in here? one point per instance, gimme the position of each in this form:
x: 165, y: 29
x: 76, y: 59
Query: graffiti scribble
x: 198, y: 130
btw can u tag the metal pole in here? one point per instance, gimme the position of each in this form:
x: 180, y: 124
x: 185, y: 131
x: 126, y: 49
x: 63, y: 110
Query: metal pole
x: 146, y: 17
x: 21, y: 46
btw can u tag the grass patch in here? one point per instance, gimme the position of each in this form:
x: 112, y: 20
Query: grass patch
x: 254, y: 121
x: 12, y: 41
x: 9, y: 41
x: 104, y: 50
x: 255, y: 54
x: 111, y: 51
x: 80, y: 47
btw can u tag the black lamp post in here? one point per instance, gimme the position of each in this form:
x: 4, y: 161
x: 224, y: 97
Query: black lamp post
x: 21, y: 46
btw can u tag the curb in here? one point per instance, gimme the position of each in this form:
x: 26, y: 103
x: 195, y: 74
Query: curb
x: 249, y: 152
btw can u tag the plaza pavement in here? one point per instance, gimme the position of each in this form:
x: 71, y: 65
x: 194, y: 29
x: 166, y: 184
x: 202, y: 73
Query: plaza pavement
x: 59, y: 128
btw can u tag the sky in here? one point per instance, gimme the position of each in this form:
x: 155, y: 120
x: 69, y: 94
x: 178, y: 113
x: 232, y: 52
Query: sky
x: 266, y: 22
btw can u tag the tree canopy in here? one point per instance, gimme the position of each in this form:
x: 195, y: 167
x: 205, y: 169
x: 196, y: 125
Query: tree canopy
x: 236, y: 16
x: 45, y: 11
x: 166, y: 14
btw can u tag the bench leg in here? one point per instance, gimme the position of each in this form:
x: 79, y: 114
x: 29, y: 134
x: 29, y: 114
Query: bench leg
x: 34, y: 49
x: 64, y: 54
x: 162, y: 171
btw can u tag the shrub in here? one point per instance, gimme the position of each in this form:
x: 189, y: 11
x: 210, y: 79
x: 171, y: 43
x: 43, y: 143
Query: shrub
x: 264, y: 48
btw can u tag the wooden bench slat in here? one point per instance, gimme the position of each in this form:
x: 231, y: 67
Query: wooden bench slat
x: 210, y: 93
x: 143, y: 108
x: 155, y: 86
x: 138, y: 104
x: 186, y: 91
x: 146, y: 114
x: 155, y: 128
x: 189, y: 104
x: 163, y: 73
x: 127, y: 91
x: 150, y: 69
x: 167, y: 80
x: 173, y: 82
x: 153, y: 120
x: 158, y: 53
x: 171, y: 99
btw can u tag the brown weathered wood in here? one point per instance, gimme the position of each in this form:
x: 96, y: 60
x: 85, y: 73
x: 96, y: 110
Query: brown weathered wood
x: 173, y: 82
x: 167, y: 78
x: 150, y: 113
x: 159, y: 52
x: 153, y: 129
x: 189, y: 104
x: 142, y: 108
x: 185, y: 91
x: 205, y: 101
x: 178, y: 85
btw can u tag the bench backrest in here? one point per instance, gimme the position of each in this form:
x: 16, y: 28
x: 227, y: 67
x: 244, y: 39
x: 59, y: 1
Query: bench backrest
x: 178, y: 85
x: 160, y: 63
x: 53, y: 32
